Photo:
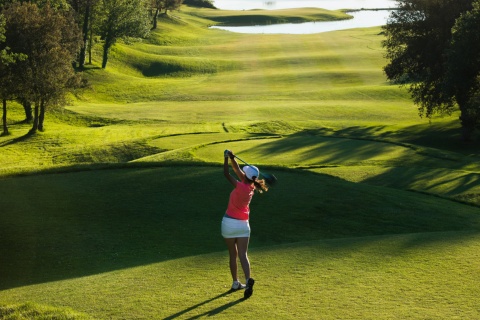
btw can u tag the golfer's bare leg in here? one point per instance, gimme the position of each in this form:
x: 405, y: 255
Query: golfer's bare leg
x: 232, y: 251
x: 242, y: 245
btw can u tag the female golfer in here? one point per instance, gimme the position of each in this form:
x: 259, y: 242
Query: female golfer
x: 235, y: 225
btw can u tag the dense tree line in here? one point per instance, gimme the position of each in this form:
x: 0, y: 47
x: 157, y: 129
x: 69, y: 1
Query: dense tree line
x: 433, y: 47
x: 44, y: 45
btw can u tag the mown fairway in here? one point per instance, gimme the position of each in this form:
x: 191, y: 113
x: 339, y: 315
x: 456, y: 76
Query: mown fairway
x: 114, y: 211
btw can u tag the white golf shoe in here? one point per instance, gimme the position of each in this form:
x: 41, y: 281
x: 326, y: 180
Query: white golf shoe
x: 236, y: 285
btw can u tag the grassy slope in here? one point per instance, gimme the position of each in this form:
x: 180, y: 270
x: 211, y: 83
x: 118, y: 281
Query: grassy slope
x: 118, y: 243
x: 125, y: 237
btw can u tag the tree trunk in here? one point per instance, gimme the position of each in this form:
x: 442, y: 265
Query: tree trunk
x: 41, y: 117
x: 106, y: 48
x: 155, y: 19
x: 27, y: 106
x: 109, y: 42
x: 90, y: 44
x: 81, y: 58
x: 4, y: 118
x: 468, y: 127
x: 35, y: 119
x: 467, y: 118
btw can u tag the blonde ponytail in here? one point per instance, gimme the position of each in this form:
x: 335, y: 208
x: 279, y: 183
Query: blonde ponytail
x: 260, y: 186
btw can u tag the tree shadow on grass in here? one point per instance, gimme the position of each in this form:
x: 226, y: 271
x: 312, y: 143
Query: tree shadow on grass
x: 207, y: 313
x: 373, y: 141
x: 25, y: 137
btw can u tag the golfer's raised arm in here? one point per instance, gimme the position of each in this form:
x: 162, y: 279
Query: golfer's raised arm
x: 226, y: 172
x: 236, y: 167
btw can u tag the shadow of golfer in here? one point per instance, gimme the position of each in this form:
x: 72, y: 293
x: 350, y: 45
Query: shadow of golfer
x: 211, y: 312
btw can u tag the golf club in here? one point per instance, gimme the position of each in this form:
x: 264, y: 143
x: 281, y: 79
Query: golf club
x: 270, y: 179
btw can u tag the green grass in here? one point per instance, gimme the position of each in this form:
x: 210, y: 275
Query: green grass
x: 368, y: 278
x: 41, y: 312
x: 128, y: 251
x: 114, y: 211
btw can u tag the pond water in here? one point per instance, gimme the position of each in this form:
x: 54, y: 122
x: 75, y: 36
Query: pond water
x: 286, y: 4
x: 361, y: 19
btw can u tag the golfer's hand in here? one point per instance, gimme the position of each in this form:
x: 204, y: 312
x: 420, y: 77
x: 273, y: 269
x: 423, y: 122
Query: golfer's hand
x: 226, y: 153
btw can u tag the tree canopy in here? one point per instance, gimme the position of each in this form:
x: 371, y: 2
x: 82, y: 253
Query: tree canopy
x: 50, y: 40
x: 122, y: 18
x: 463, y: 65
x: 50, y: 35
x: 159, y: 5
x: 9, y: 87
x: 418, y: 39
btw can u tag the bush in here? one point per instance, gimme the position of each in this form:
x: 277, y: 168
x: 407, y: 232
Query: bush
x: 200, y: 3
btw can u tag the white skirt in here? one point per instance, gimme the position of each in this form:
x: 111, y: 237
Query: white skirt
x: 233, y: 228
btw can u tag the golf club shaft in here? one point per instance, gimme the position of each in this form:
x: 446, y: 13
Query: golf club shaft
x: 242, y: 160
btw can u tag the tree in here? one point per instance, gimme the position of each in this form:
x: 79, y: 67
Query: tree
x: 26, y: 105
x: 84, y: 13
x: 200, y: 3
x: 172, y: 5
x: 50, y: 39
x: 5, y: 60
x: 159, y: 5
x: 121, y: 18
x: 418, y: 36
x: 58, y: 5
x: 9, y: 89
x: 463, y: 67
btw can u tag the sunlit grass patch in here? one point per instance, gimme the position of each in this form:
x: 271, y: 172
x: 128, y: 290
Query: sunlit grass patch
x: 189, y: 140
x: 265, y: 66
x: 304, y: 149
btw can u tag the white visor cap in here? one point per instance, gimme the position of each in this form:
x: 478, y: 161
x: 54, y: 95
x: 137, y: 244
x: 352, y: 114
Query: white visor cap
x: 251, y: 171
